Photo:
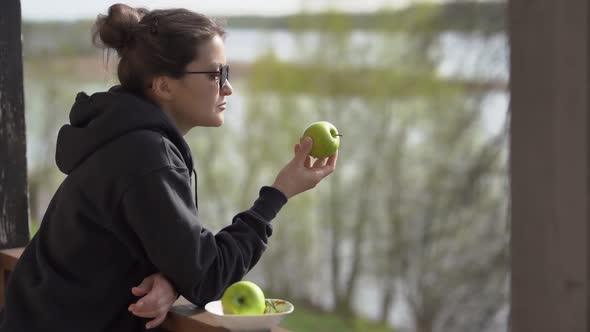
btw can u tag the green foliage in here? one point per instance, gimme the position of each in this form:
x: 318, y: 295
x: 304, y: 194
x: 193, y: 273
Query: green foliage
x: 427, y: 17
x: 330, y: 21
x: 33, y: 228
x: 307, y: 319
x: 272, y: 75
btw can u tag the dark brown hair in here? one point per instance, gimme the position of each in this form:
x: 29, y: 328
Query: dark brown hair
x: 149, y: 43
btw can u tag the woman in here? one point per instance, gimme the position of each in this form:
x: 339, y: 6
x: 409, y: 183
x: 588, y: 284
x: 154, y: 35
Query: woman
x: 125, y: 211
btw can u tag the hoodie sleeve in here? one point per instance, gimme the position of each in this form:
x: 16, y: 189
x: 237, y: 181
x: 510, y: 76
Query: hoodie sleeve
x: 160, y: 209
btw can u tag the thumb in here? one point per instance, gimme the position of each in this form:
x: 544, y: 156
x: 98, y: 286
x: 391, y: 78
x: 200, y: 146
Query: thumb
x: 304, y: 150
x: 138, y: 291
x: 144, y: 287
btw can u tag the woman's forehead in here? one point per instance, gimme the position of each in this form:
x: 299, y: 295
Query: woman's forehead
x: 212, y: 53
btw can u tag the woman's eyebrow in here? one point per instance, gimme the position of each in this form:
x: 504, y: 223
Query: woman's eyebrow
x: 216, y: 64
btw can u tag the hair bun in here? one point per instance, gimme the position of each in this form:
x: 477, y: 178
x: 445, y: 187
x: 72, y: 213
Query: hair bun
x: 116, y: 29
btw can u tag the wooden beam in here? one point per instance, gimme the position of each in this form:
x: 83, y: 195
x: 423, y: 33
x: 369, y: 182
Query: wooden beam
x: 14, y: 218
x: 550, y: 169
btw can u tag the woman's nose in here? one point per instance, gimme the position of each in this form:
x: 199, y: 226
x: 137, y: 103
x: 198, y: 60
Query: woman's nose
x: 227, y: 89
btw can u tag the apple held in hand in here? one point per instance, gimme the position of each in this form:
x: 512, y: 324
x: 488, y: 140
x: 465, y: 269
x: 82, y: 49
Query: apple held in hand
x: 326, y: 139
x: 243, y: 298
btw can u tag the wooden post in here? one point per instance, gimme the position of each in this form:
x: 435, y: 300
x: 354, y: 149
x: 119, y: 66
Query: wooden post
x: 14, y: 226
x: 550, y: 169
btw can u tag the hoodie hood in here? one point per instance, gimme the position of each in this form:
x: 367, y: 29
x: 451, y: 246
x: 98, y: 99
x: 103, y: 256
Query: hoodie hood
x: 98, y: 119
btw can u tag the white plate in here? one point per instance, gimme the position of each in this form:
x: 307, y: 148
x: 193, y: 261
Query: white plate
x: 250, y: 322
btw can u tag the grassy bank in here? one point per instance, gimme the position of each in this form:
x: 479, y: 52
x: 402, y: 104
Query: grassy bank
x: 305, y: 319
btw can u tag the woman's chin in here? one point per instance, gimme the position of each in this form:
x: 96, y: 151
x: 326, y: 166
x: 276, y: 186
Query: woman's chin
x: 220, y: 120
x: 217, y: 121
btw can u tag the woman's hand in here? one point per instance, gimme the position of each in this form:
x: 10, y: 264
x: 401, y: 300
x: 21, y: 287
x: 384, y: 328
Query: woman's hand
x: 301, y: 173
x: 157, y: 297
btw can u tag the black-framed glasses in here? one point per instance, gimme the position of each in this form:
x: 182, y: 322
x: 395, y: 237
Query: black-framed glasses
x: 223, y: 74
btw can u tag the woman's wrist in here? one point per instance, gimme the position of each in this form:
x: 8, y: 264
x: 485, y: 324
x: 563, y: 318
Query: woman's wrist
x: 282, y: 189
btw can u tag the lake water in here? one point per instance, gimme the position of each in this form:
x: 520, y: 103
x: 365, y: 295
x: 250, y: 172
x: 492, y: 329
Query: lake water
x: 470, y: 56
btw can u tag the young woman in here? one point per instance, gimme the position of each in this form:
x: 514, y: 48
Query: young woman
x: 125, y: 214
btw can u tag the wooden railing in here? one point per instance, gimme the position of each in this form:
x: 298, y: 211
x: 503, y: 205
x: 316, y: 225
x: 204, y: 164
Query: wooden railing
x: 184, y: 316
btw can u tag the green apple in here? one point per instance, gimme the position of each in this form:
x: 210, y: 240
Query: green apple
x: 326, y: 139
x: 243, y: 298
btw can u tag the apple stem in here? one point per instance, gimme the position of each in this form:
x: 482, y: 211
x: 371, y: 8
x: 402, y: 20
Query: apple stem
x: 339, y: 135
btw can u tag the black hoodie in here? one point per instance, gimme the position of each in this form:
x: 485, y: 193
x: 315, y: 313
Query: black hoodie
x: 125, y: 211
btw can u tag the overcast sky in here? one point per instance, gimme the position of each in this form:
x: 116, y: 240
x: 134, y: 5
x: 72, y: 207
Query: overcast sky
x: 80, y: 9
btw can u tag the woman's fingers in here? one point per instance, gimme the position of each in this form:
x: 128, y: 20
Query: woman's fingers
x: 155, y: 322
x: 139, y: 291
x: 320, y: 162
x: 146, y: 314
x: 332, y: 160
x: 302, y: 152
x: 308, y: 162
x: 327, y: 168
x: 149, y: 306
x: 152, y: 313
x: 328, y: 161
x: 144, y: 287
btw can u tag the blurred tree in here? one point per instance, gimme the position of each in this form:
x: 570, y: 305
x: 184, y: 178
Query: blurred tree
x: 419, y: 200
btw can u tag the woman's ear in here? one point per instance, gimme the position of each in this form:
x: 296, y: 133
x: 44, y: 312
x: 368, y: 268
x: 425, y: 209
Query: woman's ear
x: 162, y: 88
